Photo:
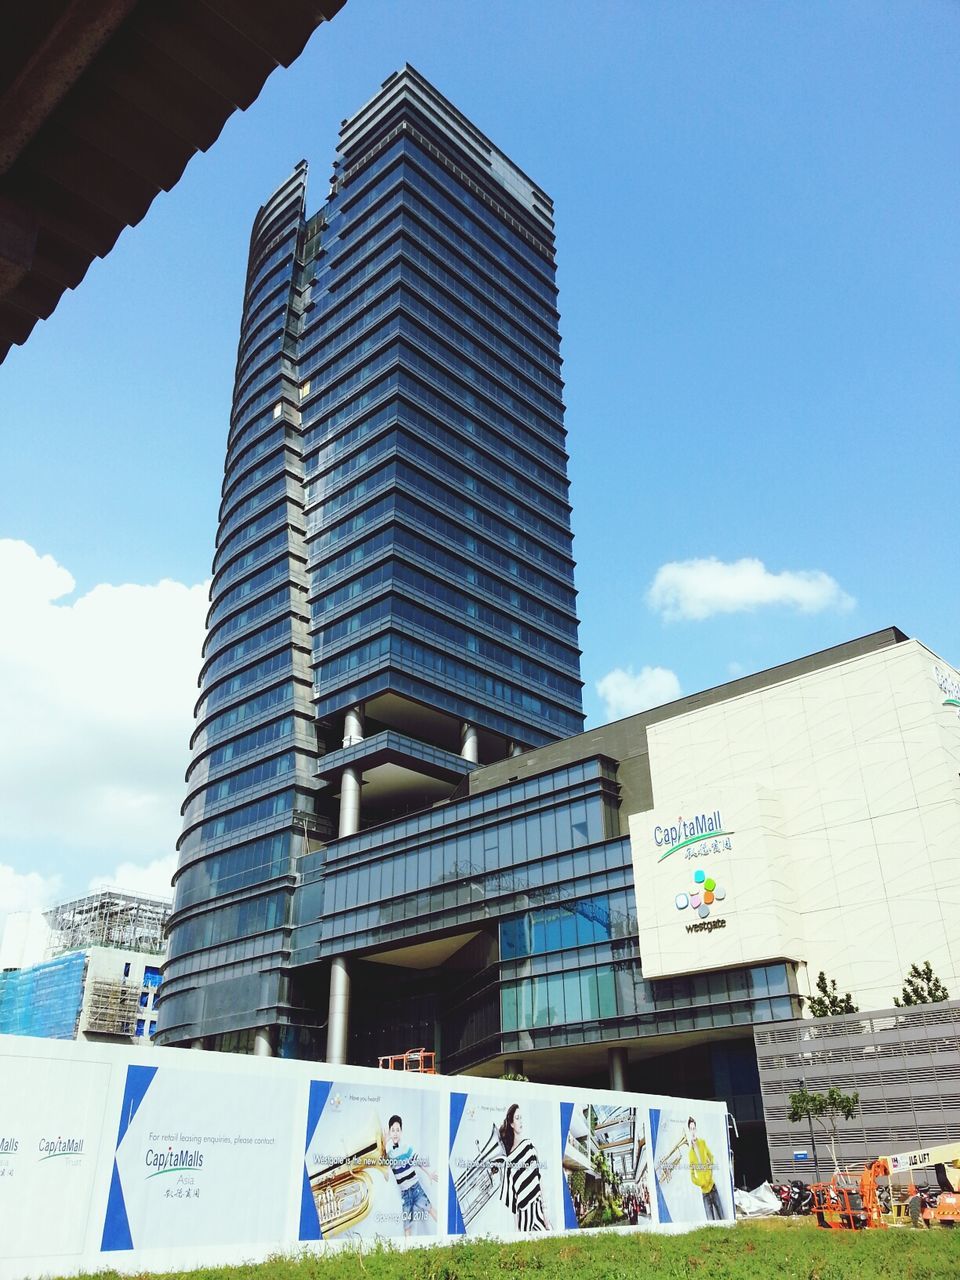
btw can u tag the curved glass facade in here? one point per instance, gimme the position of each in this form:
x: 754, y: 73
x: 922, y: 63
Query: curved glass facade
x: 394, y: 555
x: 254, y: 746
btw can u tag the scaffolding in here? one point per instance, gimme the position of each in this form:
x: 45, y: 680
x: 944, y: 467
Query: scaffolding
x: 109, y: 918
x: 43, y: 1000
x: 112, y: 1007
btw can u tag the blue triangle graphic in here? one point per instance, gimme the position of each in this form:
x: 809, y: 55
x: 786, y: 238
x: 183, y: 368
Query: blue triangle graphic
x: 116, y: 1228
x: 116, y: 1225
x: 569, y: 1212
x: 455, y: 1227
x: 309, y: 1218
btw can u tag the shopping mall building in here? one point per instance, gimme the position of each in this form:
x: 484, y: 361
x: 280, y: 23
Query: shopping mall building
x: 396, y: 833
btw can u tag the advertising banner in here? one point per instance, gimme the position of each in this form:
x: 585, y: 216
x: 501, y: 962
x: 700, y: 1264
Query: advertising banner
x: 155, y: 1161
x: 504, y: 1164
x: 372, y: 1162
x: 200, y: 1158
x: 691, y: 1165
x: 605, y: 1165
x: 51, y: 1120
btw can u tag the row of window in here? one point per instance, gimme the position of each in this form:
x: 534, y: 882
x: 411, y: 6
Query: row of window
x: 420, y: 170
x: 476, y: 646
x: 280, y: 457
x: 435, y: 175
x: 277, y: 515
x: 266, y: 771
x: 407, y: 652
x: 547, y: 401
x: 510, y: 468
x: 258, y: 740
x: 400, y: 473
x: 256, y: 583
x: 272, y: 698
x: 243, y: 648
x: 268, y: 347
x: 582, y: 922
x: 503, y: 440
x: 468, y: 866
x: 243, y: 679
x: 522, y: 374
x: 247, y: 816
x: 262, y: 551
x: 439, y: 463
x: 269, y: 494
x: 467, y: 319
x: 493, y: 393
x: 398, y: 539
x: 539, y: 303
x: 246, y: 865
x: 456, y: 221
x: 246, y: 617
x: 259, y: 915
x: 415, y: 243
x: 419, y: 221
x: 618, y: 991
x: 396, y: 571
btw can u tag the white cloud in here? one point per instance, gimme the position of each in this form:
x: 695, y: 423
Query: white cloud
x: 24, y: 891
x: 625, y: 692
x: 131, y: 877
x: 96, y: 703
x: 697, y: 589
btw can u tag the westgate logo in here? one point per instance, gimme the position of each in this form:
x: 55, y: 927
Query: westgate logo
x: 684, y: 833
x: 705, y: 893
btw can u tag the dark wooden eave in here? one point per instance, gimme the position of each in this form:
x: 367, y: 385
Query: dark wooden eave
x: 102, y: 103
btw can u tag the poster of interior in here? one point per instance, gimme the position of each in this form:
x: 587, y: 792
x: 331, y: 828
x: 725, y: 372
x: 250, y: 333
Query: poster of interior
x: 371, y: 1167
x: 691, y: 1164
x: 504, y: 1165
x: 605, y: 1166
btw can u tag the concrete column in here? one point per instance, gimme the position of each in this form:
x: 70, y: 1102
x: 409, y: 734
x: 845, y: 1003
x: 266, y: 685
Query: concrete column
x: 516, y: 749
x: 617, y: 1066
x: 197, y: 1044
x: 350, y: 780
x: 338, y: 1012
x: 513, y: 1066
x: 469, y: 746
x: 353, y: 726
x: 263, y: 1042
x: 349, y: 803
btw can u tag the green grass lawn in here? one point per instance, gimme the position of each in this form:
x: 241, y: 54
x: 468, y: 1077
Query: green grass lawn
x: 790, y: 1249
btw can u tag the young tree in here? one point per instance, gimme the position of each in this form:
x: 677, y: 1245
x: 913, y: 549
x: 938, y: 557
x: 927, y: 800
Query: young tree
x: 922, y: 987
x: 825, y: 1110
x: 830, y: 1001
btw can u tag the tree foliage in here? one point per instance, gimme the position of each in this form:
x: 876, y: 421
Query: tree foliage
x: 922, y: 986
x: 825, y: 1110
x: 830, y: 1001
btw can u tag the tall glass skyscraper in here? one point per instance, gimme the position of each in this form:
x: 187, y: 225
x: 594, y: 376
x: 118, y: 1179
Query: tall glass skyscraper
x: 393, y: 602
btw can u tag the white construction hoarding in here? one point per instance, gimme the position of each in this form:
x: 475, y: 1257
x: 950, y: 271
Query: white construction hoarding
x: 168, y: 1159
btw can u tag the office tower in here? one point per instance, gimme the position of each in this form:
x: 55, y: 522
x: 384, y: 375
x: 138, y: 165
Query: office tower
x: 392, y: 603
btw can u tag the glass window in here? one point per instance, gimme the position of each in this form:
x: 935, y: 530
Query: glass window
x: 508, y: 1007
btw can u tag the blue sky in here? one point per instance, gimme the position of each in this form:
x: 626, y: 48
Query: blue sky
x: 757, y: 214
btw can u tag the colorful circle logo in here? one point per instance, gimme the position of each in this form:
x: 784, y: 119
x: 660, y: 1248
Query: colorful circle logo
x: 705, y: 893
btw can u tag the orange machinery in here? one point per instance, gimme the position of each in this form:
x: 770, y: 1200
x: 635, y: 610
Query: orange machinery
x: 410, y: 1060
x: 852, y: 1201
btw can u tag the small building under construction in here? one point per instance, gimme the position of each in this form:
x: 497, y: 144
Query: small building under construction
x: 100, y: 975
